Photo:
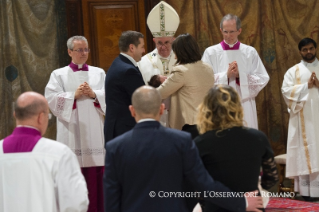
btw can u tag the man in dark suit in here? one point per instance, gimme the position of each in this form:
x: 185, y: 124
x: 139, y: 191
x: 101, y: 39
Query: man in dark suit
x: 146, y: 166
x: 122, y: 79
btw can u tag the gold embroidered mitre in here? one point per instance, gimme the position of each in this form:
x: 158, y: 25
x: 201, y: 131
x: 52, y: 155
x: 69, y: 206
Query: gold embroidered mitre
x: 163, y: 20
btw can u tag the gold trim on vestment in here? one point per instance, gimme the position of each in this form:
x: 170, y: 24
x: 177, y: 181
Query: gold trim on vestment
x: 303, y: 127
x: 295, y: 87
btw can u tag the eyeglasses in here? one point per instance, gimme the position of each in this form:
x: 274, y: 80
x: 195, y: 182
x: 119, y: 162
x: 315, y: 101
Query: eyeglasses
x: 230, y: 32
x: 160, y: 44
x: 81, y: 50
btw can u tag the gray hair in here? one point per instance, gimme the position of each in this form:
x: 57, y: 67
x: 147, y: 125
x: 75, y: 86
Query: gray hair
x: 70, y: 41
x: 229, y: 17
x: 146, y: 100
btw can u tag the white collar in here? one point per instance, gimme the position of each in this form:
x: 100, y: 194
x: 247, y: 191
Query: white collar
x: 231, y: 45
x: 147, y: 119
x: 79, y: 65
x: 130, y: 58
x: 314, y: 63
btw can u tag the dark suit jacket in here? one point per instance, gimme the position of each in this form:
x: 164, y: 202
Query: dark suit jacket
x: 121, y: 80
x: 150, y: 158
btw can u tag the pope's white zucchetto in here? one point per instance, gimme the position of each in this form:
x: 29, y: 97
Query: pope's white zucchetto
x: 163, y: 20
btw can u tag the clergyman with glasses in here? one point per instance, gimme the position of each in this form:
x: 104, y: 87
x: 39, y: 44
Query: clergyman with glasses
x: 75, y: 94
x: 239, y: 66
x: 163, y: 22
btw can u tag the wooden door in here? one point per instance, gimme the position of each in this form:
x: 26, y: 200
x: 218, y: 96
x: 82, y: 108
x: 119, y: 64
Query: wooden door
x: 103, y: 23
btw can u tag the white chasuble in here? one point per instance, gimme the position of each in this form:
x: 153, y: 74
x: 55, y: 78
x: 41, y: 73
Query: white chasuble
x: 81, y: 128
x: 253, y: 76
x: 303, y: 135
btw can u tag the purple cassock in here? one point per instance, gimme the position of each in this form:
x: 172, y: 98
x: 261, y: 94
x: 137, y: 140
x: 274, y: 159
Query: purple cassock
x: 23, y: 139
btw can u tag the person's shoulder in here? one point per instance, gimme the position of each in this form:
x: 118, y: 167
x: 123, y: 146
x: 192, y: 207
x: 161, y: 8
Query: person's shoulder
x: 292, y: 70
x: 175, y: 135
x: 254, y: 134
x: 118, y: 141
x: 213, y: 48
x: 294, y: 67
x: 181, y: 68
x: 96, y: 69
x: 62, y: 70
x: 205, y: 65
x: 209, y: 135
x: 247, y: 48
x: 53, y: 147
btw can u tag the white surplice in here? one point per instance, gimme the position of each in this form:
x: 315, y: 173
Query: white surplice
x: 303, y: 133
x: 150, y: 65
x: 252, y: 75
x: 81, y: 129
x: 47, y: 179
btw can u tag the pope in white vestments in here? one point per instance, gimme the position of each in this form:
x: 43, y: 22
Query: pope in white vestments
x: 162, y: 59
x: 76, y: 97
x: 238, y: 65
x: 300, y: 90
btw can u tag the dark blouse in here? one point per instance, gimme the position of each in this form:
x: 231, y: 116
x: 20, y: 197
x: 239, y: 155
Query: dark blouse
x: 234, y: 157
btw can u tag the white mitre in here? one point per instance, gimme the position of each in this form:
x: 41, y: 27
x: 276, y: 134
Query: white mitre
x: 163, y: 20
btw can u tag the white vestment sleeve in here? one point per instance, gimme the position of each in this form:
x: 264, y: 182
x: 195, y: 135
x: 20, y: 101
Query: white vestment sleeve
x: 295, y: 95
x: 258, y: 76
x: 219, y: 76
x: 60, y: 102
x: 100, y: 97
x: 70, y: 184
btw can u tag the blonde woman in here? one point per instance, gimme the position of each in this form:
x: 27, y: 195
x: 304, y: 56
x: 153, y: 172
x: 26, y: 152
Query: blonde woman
x: 231, y: 152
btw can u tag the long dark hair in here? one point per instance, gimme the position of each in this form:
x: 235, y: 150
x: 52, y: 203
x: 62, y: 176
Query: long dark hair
x: 186, y: 49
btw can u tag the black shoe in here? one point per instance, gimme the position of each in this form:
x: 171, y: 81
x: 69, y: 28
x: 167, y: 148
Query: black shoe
x: 309, y: 199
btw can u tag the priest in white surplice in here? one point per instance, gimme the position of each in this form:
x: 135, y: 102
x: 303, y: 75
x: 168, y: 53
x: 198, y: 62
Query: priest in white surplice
x: 36, y: 173
x: 76, y: 97
x: 300, y: 89
x: 163, y: 22
x: 239, y: 66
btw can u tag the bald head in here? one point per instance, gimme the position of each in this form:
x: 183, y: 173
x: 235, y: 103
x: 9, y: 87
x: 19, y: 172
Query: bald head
x: 32, y: 109
x: 147, y: 102
x: 29, y: 104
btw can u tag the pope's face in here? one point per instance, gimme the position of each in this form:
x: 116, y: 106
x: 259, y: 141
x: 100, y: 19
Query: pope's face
x: 80, y: 52
x: 164, y: 45
x: 230, y: 32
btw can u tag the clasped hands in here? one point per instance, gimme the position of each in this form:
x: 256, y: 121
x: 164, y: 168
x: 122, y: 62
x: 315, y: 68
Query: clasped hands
x: 313, y: 81
x: 232, y: 71
x: 84, y: 90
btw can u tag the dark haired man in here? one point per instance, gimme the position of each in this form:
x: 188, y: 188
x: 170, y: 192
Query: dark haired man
x: 121, y: 80
x: 38, y: 174
x: 239, y: 66
x: 300, y: 89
